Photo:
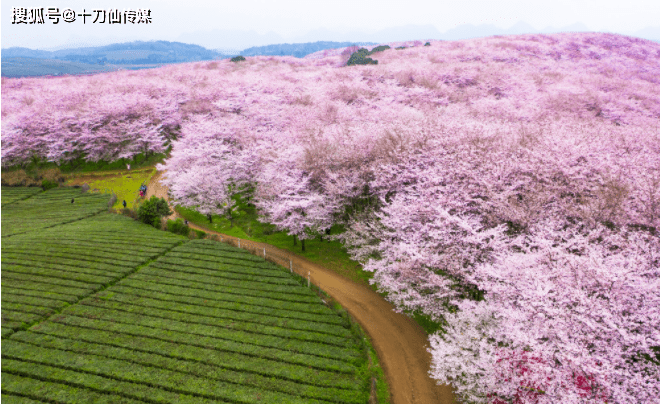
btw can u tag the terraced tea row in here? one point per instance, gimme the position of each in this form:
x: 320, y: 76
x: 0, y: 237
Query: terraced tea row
x: 56, y: 362
x: 152, y: 339
x: 187, y: 310
x: 13, y: 194
x: 47, y: 209
x: 201, y: 322
x: 46, y: 271
x: 229, y: 302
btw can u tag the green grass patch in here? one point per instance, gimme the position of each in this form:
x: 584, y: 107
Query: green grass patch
x: 124, y: 184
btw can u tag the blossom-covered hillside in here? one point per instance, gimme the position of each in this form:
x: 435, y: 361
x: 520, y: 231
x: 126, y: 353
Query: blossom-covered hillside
x: 508, y: 187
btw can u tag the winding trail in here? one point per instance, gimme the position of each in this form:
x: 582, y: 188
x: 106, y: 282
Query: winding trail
x: 400, y: 342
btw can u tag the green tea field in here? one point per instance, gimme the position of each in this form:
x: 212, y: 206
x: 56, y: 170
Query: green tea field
x: 27, y: 209
x: 99, y: 308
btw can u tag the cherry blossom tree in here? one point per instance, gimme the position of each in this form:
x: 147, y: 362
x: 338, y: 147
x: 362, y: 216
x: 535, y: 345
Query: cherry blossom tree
x: 211, y: 167
x: 577, y: 319
x: 286, y: 199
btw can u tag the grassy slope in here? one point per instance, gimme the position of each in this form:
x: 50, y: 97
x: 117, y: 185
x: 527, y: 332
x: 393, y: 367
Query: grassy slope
x: 124, y: 184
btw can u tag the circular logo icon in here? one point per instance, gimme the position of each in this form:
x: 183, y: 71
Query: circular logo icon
x: 69, y: 15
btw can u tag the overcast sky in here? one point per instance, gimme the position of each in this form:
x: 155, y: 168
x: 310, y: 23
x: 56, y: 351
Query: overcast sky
x: 172, y: 20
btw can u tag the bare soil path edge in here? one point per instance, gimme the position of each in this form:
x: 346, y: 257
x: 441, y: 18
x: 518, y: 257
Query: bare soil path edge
x: 400, y: 343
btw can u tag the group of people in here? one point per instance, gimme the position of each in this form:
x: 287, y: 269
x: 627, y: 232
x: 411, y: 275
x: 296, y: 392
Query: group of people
x: 143, y: 191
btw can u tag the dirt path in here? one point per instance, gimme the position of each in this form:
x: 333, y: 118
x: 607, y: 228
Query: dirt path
x: 399, y: 341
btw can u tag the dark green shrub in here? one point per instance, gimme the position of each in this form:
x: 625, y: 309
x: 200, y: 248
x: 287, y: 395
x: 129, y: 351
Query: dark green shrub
x: 178, y: 227
x: 237, y: 59
x: 152, y: 210
x: 379, y: 49
x: 360, y: 58
x: 47, y: 184
x: 427, y: 44
x: 200, y: 233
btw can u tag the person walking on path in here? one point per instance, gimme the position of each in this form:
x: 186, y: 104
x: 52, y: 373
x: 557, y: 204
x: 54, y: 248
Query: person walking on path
x: 124, y: 203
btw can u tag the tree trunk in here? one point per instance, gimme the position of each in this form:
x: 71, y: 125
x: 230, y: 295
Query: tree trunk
x: 303, y: 244
x: 295, y: 240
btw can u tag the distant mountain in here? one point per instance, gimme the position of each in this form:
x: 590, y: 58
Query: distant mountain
x: 25, y: 53
x: 33, y: 67
x: 24, y: 62
x: 298, y: 50
x: 133, y: 53
x: 19, y: 62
